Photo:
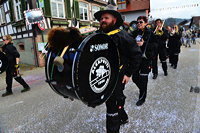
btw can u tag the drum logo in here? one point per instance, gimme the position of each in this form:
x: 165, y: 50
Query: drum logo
x: 98, y: 47
x: 99, y: 74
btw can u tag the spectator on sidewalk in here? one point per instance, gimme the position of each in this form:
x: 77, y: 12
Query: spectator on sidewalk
x: 13, y: 66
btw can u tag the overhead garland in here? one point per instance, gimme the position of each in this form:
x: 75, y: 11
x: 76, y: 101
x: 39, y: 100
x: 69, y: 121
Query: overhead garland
x: 175, y: 7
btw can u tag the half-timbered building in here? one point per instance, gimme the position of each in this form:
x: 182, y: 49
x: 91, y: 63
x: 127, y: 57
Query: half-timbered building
x: 28, y: 37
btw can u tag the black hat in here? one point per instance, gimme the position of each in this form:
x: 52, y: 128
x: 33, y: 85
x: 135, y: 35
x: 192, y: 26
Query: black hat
x: 111, y: 9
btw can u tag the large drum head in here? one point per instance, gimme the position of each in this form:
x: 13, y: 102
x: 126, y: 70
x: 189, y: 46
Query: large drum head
x: 95, y: 69
x: 3, y: 62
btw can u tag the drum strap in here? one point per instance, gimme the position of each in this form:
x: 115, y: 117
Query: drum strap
x: 121, y: 67
x: 113, y: 32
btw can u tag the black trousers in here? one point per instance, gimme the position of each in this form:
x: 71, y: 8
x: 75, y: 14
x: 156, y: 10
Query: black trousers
x: 174, y: 58
x: 162, y: 52
x: 114, y: 104
x: 141, y: 78
x: 9, y: 78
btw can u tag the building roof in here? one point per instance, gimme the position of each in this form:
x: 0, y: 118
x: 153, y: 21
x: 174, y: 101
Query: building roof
x: 195, y: 21
x: 136, y: 5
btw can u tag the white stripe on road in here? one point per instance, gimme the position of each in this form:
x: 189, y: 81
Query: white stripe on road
x: 15, y: 103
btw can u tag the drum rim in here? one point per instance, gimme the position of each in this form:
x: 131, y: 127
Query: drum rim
x: 76, y: 60
x: 6, y: 59
x: 47, y: 74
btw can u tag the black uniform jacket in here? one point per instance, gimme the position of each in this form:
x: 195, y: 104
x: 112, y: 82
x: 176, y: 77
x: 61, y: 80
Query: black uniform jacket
x: 150, y: 41
x: 161, y: 39
x: 174, y: 43
x: 11, y: 53
x: 129, y: 52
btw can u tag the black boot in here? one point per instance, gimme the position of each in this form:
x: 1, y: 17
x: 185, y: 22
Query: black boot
x: 175, y: 66
x: 155, y: 76
x: 6, y: 94
x: 112, y: 123
x: 165, y: 73
x: 122, y: 115
x: 141, y: 100
x: 25, y: 89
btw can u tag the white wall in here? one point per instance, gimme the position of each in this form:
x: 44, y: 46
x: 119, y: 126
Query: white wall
x: 130, y: 16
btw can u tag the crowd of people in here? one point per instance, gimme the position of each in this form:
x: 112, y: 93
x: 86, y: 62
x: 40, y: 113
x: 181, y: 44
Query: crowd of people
x: 153, y: 42
x: 139, y: 48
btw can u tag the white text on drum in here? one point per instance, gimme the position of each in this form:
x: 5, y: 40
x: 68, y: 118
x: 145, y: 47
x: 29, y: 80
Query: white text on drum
x: 98, y: 47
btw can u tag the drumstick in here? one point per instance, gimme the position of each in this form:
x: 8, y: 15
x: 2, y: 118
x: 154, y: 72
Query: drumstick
x: 58, y: 61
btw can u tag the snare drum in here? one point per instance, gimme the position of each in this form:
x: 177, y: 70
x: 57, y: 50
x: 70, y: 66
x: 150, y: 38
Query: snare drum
x: 3, y: 62
x: 90, y: 70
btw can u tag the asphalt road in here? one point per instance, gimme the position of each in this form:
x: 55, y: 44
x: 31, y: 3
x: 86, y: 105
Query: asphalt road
x: 169, y: 107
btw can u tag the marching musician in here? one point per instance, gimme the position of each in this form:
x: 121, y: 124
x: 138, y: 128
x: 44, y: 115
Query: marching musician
x: 13, y: 66
x: 146, y: 40
x: 130, y: 56
x: 161, y: 37
x: 174, y: 45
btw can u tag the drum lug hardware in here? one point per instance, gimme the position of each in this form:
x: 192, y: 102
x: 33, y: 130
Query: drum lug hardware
x: 72, y: 99
x: 51, y: 82
x: 75, y: 50
x: 69, y: 87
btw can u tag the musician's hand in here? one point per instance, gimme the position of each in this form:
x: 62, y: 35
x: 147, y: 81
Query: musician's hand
x: 16, y: 72
x: 159, y: 28
x: 140, y: 43
x: 125, y: 79
x: 16, y: 66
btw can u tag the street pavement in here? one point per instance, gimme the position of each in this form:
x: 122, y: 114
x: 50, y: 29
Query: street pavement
x: 171, y: 106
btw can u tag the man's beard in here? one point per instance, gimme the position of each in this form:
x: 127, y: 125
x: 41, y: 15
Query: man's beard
x: 108, y: 27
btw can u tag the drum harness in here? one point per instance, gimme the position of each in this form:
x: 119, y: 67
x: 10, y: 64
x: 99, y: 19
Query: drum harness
x: 112, y: 33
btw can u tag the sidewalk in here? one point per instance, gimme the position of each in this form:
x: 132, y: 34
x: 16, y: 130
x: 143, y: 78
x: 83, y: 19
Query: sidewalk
x: 28, y: 73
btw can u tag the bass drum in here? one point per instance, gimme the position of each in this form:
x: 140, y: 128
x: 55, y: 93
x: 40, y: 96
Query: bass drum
x: 90, y: 70
x: 3, y: 62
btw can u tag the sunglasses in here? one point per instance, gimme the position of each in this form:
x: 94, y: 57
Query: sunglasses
x: 3, y: 39
x: 140, y: 22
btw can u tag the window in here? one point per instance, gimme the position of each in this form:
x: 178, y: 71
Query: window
x: 121, y: 4
x: 119, y: 1
x: 94, y: 9
x: 21, y: 47
x: 2, y: 15
x: 57, y: 8
x: 17, y: 10
x: 83, y: 8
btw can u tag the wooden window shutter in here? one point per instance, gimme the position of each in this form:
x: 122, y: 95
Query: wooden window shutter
x: 76, y: 9
x: 11, y: 11
x: 47, y: 8
x: 23, y: 7
x: 68, y: 9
